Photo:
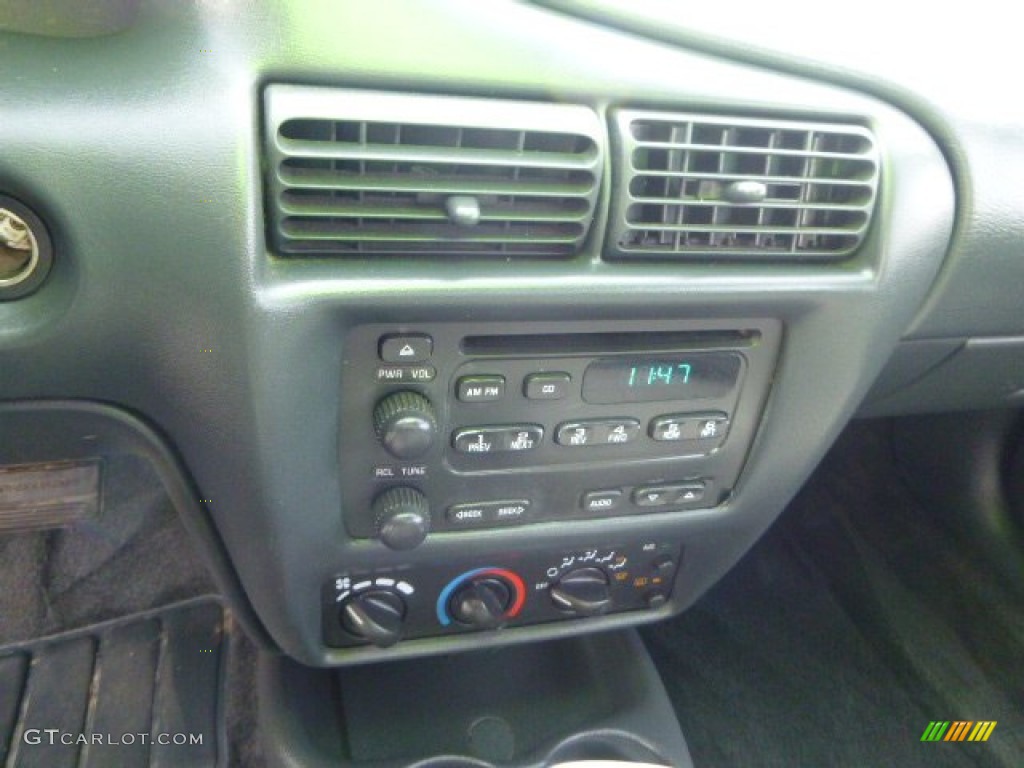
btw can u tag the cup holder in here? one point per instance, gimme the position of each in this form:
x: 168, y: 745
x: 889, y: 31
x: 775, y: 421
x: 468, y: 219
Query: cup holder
x: 606, y: 745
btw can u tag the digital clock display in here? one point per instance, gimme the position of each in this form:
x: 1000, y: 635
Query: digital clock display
x: 698, y: 376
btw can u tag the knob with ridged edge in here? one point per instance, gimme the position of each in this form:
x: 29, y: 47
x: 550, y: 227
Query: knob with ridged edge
x: 403, y: 517
x: 405, y: 424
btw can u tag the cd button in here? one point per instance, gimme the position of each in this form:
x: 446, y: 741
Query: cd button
x: 546, y: 386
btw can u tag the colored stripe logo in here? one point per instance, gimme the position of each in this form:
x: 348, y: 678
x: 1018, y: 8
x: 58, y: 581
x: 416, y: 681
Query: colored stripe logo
x: 958, y: 730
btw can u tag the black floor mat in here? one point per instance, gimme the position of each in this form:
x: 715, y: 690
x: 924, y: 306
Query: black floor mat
x: 146, y: 690
x: 851, y: 626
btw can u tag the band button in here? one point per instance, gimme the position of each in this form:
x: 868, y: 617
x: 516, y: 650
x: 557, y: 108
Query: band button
x: 480, y: 389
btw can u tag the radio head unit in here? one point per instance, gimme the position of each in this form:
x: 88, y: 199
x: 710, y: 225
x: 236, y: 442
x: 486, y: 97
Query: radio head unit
x: 452, y: 427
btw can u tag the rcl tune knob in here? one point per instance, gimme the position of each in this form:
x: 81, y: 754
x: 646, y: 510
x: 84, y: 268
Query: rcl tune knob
x: 405, y: 424
x: 403, y: 517
x: 583, y: 592
x: 376, y: 616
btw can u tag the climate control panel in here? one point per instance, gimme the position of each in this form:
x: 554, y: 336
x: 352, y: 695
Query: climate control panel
x: 404, y: 603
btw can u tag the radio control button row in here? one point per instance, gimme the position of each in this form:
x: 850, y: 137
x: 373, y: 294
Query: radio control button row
x: 677, y: 494
x: 512, y: 438
x: 689, y: 426
x: 603, y: 432
x: 546, y: 386
x: 601, y: 501
x: 486, y: 513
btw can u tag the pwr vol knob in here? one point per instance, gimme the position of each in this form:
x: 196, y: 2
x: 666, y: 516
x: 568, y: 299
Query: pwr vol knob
x: 405, y: 424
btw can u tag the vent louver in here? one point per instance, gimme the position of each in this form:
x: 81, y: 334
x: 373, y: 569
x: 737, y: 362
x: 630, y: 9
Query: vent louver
x: 372, y: 173
x: 700, y: 187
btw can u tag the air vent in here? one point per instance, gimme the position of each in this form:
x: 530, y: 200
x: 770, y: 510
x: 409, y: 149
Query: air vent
x: 699, y: 187
x: 370, y: 173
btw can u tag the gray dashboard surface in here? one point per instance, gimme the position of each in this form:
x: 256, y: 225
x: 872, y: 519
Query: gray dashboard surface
x: 953, y: 66
x: 142, y: 151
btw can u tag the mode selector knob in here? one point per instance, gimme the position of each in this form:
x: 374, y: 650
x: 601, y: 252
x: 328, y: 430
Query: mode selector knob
x: 376, y: 616
x: 405, y: 424
x: 584, y: 592
x: 403, y: 517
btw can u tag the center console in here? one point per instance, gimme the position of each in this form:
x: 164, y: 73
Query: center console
x: 450, y: 429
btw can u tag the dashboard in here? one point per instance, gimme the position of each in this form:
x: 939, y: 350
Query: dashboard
x: 457, y: 324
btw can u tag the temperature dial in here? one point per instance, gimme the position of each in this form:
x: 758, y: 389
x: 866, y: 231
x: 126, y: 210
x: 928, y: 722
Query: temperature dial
x: 484, y: 598
x: 583, y: 592
x: 482, y: 602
